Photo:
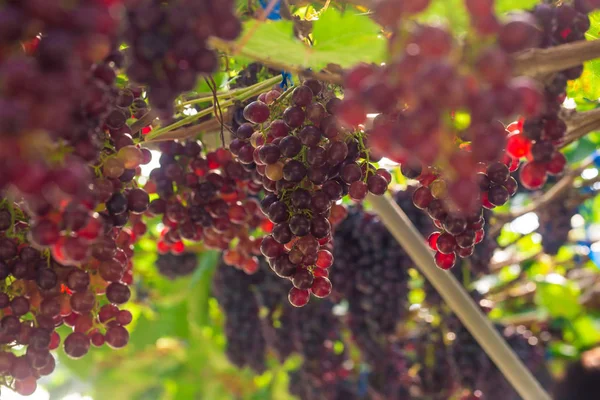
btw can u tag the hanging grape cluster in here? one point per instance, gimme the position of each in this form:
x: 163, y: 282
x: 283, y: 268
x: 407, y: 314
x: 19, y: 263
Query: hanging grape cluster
x: 539, y: 137
x: 208, y: 199
x: 176, y: 265
x: 312, y: 331
x: 423, y: 100
x: 40, y: 292
x: 168, y: 44
x: 307, y: 162
x: 371, y: 269
x: 555, y: 222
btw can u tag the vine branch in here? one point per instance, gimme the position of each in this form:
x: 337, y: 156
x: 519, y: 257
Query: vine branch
x: 252, y: 91
x: 565, y: 183
x: 580, y: 124
x: 539, y: 62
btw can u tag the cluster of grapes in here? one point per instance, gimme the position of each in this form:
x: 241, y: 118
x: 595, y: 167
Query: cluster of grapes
x: 419, y: 96
x: 423, y: 77
x: 315, y: 333
x: 61, y: 260
x: 371, y: 269
x: 176, y: 265
x: 476, y: 372
x: 306, y: 163
x: 555, y: 222
x: 207, y: 199
x: 436, y: 377
x: 460, y: 231
x: 371, y: 273
x: 233, y: 289
x: 537, y: 138
x: 252, y: 303
x: 58, y: 63
x: 80, y: 286
x: 168, y: 44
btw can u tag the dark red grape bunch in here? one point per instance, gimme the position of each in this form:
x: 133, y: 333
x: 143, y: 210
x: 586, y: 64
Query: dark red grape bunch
x: 475, y: 371
x: 176, y: 265
x: 46, y: 143
x: 460, y: 229
x: 422, y: 99
x: 581, y: 377
x: 555, y: 221
x: 208, y: 199
x: 539, y: 137
x: 168, y: 44
x: 371, y: 273
x: 234, y: 291
x: 80, y: 283
x: 253, y: 303
x: 306, y: 162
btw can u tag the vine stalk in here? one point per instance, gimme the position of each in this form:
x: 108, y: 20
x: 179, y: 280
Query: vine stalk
x: 251, y: 92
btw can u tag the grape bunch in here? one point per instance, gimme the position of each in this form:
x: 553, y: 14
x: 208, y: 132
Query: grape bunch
x: 442, y: 123
x: 315, y: 331
x: 437, y: 376
x: 580, y: 379
x: 41, y: 291
x: 176, y: 265
x: 476, y: 372
x: 168, y: 44
x: 47, y: 53
x: 61, y: 161
x: 539, y: 137
x: 207, y: 199
x: 389, y: 377
x: 233, y: 290
x: 555, y: 221
x: 255, y: 303
x: 306, y: 162
x: 371, y: 273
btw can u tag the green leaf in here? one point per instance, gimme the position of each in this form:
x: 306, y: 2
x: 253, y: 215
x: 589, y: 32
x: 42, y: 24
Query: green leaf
x: 586, y: 90
x: 347, y: 38
x: 580, y: 150
x: 503, y: 6
x: 200, y: 285
x: 560, y: 299
x: 343, y: 39
x: 449, y: 13
x: 586, y: 331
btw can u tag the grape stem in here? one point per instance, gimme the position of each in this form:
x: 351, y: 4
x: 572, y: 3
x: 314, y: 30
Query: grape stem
x: 143, y: 122
x: 255, y: 90
x: 565, y: 183
x: 211, y: 125
x: 540, y: 62
x: 457, y: 299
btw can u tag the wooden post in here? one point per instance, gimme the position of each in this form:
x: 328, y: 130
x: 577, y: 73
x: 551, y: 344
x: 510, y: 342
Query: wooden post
x: 458, y: 299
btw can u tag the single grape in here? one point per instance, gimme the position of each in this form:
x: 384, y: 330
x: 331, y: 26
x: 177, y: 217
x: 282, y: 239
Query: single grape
x: 256, y: 112
x: 445, y: 261
x: 298, y: 297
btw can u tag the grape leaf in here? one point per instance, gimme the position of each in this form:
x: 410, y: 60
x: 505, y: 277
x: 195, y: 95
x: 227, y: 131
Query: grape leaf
x: 343, y: 39
x: 586, y: 90
x: 586, y: 331
x: 449, y: 13
x: 560, y: 299
x: 347, y: 38
x: 503, y: 6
